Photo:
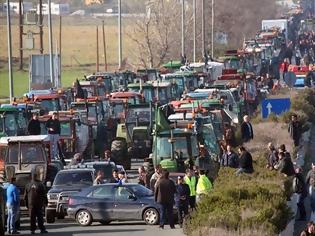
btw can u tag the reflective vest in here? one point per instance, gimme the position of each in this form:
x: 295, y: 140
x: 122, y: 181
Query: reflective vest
x: 204, y: 185
x: 192, y: 184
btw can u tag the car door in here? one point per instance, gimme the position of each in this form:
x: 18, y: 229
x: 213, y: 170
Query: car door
x: 126, y: 205
x: 102, y: 203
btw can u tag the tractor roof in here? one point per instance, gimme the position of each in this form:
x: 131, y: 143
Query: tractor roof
x: 24, y: 139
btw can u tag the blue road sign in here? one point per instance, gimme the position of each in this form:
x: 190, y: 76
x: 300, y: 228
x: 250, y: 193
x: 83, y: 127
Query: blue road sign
x: 274, y: 105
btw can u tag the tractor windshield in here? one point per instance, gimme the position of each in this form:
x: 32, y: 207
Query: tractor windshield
x: 30, y: 153
x: 50, y: 105
x: 181, y: 145
x: 10, y: 124
x: 1, y: 124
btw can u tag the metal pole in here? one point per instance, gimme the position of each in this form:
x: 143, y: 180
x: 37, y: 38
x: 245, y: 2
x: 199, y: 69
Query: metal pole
x: 9, y: 51
x: 50, y: 39
x: 183, y: 28
x: 60, y: 31
x: 104, y: 45
x: 194, y: 29
x: 119, y: 35
x: 41, y: 27
x: 21, y: 34
x: 212, y: 28
x: 97, y: 52
x: 203, y: 27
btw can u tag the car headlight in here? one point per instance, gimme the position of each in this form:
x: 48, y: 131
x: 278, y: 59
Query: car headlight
x: 52, y: 196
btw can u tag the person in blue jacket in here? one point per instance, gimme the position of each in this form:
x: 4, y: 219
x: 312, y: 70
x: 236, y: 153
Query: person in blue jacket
x: 13, y: 204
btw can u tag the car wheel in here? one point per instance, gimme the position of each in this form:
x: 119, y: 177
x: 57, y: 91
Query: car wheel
x: 50, y: 218
x: 151, y: 216
x: 105, y: 222
x: 84, y: 218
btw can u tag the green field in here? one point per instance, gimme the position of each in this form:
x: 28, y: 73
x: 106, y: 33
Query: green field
x: 78, y: 49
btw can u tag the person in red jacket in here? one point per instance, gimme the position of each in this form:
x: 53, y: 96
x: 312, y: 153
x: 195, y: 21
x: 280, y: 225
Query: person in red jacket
x: 284, y: 68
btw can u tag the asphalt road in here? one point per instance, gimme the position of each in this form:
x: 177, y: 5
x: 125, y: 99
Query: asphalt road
x: 68, y: 227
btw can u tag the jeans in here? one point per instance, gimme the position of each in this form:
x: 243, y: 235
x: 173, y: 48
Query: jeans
x: 166, y: 211
x: 36, y: 212
x: 182, y: 211
x: 54, y: 138
x: 312, y: 197
x: 301, y: 207
x: 12, y: 214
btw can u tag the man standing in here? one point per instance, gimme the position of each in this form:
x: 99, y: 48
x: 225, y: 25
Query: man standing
x: 164, y: 195
x: 272, y: 158
x: 204, y: 185
x: 299, y: 187
x: 53, y: 127
x: 229, y: 158
x: 246, y: 161
x: 33, y: 126
x: 310, y: 180
x: 191, y: 180
x: 155, y: 177
x: 182, y: 199
x: 295, y: 130
x: 13, y: 204
x: 247, y: 129
x: 36, y: 199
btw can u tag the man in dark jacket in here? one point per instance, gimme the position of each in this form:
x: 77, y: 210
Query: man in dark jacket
x: 246, y: 162
x: 36, y: 199
x: 310, y: 180
x: 299, y: 187
x: 53, y: 128
x: 272, y: 158
x: 285, y: 165
x: 33, y: 126
x: 182, y: 199
x: 295, y: 130
x: 229, y: 158
x: 247, y: 129
x: 164, y: 195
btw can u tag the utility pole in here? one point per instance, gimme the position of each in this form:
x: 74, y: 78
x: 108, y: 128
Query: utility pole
x: 50, y: 39
x: 104, y: 45
x: 41, y: 44
x: 97, y: 52
x: 119, y: 35
x: 203, y: 38
x: 10, y: 51
x: 194, y: 30
x: 183, y: 28
x: 60, y: 31
x: 21, y: 34
x: 212, y: 28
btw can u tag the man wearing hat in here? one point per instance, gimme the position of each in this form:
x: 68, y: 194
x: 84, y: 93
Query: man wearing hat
x: 182, y: 199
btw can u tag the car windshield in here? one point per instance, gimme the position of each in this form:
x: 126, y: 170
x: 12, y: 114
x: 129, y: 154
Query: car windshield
x: 65, y: 129
x: 74, y: 178
x: 140, y: 135
x: 140, y: 191
x: 49, y: 105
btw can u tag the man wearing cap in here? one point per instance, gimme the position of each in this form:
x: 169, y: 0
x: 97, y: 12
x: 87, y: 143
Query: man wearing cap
x: 182, y: 199
x: 53, y: 127
x: 191, y: 180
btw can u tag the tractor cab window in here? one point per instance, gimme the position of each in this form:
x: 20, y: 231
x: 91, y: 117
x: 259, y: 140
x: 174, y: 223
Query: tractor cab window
x: 12, y: 157
x: 50, y: 105
x: 65, y: 129
x: 10, y: 124
x: 21, y: 121
x: 31, y: 153
x: 1, y: 124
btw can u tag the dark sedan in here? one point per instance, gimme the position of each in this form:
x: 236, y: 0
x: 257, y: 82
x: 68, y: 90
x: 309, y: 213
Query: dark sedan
x: 108, y: 202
